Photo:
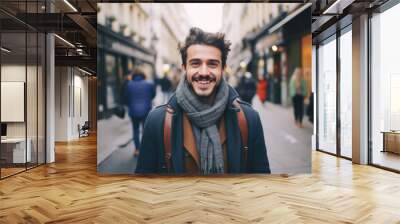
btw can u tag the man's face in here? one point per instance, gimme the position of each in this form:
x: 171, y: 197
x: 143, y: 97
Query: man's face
x: 203, y: 68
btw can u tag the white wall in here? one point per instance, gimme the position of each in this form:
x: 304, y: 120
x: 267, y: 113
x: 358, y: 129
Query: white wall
x: 61, y: 103
x: 71, y: 87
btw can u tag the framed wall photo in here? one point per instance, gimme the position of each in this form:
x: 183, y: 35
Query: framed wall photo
x: 204, y: 93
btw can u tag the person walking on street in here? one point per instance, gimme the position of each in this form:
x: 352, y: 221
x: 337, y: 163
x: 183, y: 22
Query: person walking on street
x: 204, y: 128
x: 310, y: 108
x: 247, y: 87
x: 166, y: 87
x: 138, y: 96
x: 262, y: 88
x: 298, y: 90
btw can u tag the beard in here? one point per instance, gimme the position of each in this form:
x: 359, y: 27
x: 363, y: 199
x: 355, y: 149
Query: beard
x: 204, y: 86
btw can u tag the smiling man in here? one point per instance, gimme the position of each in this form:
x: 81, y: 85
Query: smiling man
x: 204, y: 128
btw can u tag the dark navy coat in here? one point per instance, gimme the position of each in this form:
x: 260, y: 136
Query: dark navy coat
x: 138, y: 96
x: 151, y: 157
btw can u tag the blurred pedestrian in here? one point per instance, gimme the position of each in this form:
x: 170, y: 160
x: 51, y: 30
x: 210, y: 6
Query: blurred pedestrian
x: 247, y: 87
x: 138, y: 96
x: 310, y: 108
x: 262, y: 88
x: 166, y: 87
x: 298, y: 90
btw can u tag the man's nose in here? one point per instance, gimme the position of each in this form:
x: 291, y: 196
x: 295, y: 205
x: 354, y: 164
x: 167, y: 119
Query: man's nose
x: 204, y: 69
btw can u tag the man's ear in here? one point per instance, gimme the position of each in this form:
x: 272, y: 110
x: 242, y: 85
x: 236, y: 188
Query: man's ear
x: 183, y: 66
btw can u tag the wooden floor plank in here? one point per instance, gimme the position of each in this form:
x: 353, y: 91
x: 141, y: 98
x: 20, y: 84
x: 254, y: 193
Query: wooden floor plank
x: 71, y: 191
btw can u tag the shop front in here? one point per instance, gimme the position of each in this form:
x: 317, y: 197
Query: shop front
x: 280, y: 48
x: 266, y: 48
x: 117, y: 56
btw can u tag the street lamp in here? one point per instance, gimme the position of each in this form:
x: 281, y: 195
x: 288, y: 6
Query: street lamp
x: 243, y: 64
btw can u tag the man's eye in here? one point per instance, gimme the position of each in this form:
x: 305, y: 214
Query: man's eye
x: 212, y: 65
x: 194, y: 64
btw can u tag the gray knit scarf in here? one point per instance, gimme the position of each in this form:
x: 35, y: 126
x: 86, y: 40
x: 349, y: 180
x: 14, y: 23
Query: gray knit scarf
x: 205, y: 117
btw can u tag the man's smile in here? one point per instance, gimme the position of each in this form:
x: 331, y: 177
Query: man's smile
x: 203, y: 82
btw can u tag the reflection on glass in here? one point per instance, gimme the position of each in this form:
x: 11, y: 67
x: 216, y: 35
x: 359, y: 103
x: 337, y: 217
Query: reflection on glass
x: 386, y: 89
x: 346, y: 95
x: 327, y: 96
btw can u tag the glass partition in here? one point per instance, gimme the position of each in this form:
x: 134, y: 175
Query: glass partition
x: 13, y: 105
x: 22, y: 89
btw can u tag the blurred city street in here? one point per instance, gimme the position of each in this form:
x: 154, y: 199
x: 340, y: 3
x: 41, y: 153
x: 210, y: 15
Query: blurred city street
x: 117, y: 138
x: 269, y: 63
x: 288, y: 146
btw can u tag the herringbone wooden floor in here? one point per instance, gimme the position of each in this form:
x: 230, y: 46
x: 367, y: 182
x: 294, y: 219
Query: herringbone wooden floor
x: 70, y: 191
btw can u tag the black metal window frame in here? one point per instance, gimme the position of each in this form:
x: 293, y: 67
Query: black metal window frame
x: 44, y: 77
x: 340, y: 31
x: 387, y: 5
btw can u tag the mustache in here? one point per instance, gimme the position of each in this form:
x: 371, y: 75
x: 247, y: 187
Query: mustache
x: 209, y: 77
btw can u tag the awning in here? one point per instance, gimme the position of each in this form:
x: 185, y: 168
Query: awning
x: 252, y: 37
x: 289, y: 17
x: 129, y: 51
x: 268, y: 41
x: 111, y: 41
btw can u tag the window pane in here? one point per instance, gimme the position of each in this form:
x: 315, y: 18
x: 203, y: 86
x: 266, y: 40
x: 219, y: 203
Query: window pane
x: 327, y: 96
x: 386, y: 89
x: 346, y: 94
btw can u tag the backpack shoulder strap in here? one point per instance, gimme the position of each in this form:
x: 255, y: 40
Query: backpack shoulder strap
x: 167, y: 136
x: 244, y: 131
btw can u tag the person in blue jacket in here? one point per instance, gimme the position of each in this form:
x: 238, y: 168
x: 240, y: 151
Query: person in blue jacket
x: 205, y: 133
x: 138, y: 95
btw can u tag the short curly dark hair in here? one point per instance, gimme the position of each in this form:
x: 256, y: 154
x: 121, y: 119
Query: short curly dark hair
x: 198, y: 36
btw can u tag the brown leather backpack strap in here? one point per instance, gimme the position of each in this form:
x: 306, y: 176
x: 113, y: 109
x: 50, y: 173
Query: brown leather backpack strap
x: 244, y: 132
x: 167, y: 137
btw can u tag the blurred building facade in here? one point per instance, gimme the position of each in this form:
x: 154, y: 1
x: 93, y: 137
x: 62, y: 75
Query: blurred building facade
x: 170, y: 26
x: 265, y: 44
x: 140, y: 35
